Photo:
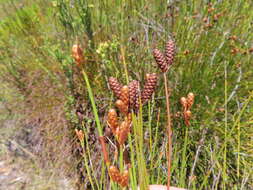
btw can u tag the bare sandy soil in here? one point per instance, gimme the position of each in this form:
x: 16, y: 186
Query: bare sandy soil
x: 19, y: 168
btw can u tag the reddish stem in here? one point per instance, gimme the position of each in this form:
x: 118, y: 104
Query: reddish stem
x: 105, y: 153
x: 169, y: 132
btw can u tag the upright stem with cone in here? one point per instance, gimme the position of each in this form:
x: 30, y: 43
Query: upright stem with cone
x: 164, y: 62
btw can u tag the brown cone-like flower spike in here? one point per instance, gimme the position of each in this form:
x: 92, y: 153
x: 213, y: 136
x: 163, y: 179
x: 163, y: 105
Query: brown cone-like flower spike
x: 133, y: 93
x: 124, y: 179
x: 115, y: 86
x: 124, y: 95
x: 188, y: 114
x: 114, y: 173
x: 112, y: 120
x: 190, y: 100
x: 122, y: 107
x: 121, y: 179
x: 122, y: 132
x: 184, y: 103
x: 170, y: 50
x: 160, y: 60
x: 187, y: 117
x: 149, y: 87
x: 79, y: 134
x: 77, y: 54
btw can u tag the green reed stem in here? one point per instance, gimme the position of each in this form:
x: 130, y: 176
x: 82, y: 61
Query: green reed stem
x: 86, y: 165
x: 183, y: 165
x: 89, y: 154
x: 94, y: 108
x: 238, y: 149
x: 226, y: 125
x: 133, y: 180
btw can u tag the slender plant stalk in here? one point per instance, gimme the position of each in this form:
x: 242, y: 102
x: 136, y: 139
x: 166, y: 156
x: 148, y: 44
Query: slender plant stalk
x: 226, y: 126
x: 122, y: 49
x: 139, y: 148
x: 86, y: 164
x: 184, y: 158
x: 121, y: 164
x: 238, y: 149
x: 133, y: 180
x: 149, y: 127
x: 169, y: 132
x: 95, y: 112
x: 87, y: 153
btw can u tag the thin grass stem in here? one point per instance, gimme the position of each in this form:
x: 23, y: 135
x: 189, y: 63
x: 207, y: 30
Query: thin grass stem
x: 183, y: 165
x: 226, y: 125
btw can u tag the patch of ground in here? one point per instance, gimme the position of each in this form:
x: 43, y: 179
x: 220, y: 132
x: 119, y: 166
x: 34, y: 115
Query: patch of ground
x: 19, y: 167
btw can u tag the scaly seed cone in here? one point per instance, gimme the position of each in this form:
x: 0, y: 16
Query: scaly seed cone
x: 170, y: 50
x: 133, y: 93
x: 122, y: 132
x: 124, y: 179
x: 190, y: 100
x: 187, y: 117
x: 184, y: 103
x: 77, y: 54
x: 149, y: 87
x: 115, y: 86
x: 122, y: 107
x: 188, y: 114
x: 160, y: 60
x: 112, y: 120
x: 114, y: 173
x: 124, y: 95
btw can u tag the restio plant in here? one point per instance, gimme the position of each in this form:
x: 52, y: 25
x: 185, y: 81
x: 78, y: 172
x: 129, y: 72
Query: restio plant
x: 209, y: 145
x: 125, y: 123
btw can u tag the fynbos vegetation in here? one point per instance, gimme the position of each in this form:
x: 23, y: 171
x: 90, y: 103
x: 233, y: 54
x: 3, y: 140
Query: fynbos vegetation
x: 128, y: 94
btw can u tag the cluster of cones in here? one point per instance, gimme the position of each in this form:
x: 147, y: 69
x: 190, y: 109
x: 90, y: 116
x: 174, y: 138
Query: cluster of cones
x: 166, y: 59
x: 130, y: 97
x: 135, y: 95
x: 187, y: 103
x: 120, y: 178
